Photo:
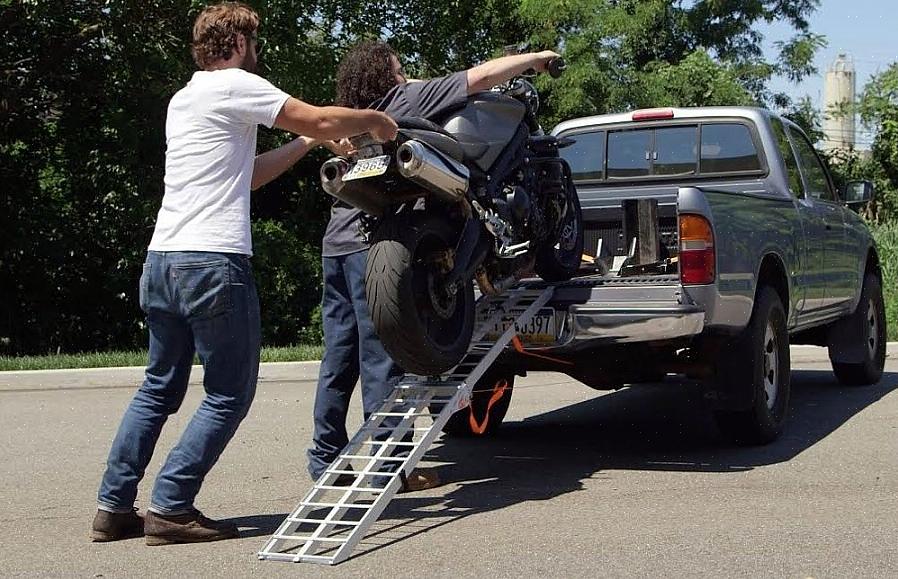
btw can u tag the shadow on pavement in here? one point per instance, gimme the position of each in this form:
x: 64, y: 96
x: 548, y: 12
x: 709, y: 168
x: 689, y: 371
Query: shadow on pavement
x: 656, y: 427
x: 259, y: 525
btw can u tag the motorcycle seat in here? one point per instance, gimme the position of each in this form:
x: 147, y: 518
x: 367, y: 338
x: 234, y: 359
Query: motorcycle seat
x: 461, y: 149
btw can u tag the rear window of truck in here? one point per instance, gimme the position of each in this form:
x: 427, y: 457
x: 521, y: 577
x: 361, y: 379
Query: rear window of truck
x: 703, y: 149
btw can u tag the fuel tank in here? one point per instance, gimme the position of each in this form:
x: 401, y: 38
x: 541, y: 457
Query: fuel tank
x: 485, y: 125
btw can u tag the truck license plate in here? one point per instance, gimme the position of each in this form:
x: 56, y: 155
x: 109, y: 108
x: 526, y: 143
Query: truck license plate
x: 539, y: 330
x: 364, y: 168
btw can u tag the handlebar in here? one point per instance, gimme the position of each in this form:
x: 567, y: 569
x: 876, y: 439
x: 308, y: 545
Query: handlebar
x: 556, y: 67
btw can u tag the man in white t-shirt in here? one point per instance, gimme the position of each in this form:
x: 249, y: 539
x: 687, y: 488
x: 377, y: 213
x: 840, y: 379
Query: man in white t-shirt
x: 197, y: 286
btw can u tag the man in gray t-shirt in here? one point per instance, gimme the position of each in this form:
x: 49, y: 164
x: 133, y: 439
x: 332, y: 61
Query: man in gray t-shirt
x: 370, y: 76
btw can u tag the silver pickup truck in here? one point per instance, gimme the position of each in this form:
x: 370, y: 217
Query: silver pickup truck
x: 714, y: 238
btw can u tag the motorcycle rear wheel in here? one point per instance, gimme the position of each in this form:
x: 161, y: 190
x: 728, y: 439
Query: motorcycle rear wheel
x: 423, y: 325
x: 560, y: 261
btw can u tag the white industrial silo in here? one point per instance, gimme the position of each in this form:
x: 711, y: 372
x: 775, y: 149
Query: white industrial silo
x: 838, y: 98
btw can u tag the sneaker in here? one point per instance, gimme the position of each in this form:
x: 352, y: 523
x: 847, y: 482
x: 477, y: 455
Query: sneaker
x: 115, y: 526
x: 191, y: 527
x: 421, y: 479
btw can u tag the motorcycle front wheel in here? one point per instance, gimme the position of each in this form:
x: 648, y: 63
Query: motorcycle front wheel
x: 560, y: 261
x: 424, y: 325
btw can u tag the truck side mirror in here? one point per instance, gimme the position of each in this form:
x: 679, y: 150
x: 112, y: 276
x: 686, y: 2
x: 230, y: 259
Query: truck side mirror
x: 857, y: 193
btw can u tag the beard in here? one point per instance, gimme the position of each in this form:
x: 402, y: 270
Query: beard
x: 250, y: 62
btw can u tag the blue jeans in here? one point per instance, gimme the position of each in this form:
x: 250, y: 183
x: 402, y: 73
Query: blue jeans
x: 195, y: 302
x: 351, y: 350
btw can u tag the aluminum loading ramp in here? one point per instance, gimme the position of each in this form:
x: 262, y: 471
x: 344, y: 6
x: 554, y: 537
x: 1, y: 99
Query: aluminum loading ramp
x: 331, y: 520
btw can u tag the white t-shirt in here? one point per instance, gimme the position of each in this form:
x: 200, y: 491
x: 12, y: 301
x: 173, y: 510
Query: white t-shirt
x: 211, y: 136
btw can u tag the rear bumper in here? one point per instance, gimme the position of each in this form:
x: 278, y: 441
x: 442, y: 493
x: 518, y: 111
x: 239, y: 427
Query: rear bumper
x: 629, y: 324
x: 595, y: 312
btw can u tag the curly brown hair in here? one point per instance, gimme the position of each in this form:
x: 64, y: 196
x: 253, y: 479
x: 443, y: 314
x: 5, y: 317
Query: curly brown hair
x: 216, y: 28
x: 365, y: 74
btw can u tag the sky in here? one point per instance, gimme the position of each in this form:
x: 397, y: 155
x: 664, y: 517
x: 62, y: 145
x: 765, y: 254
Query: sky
x: 867, y: 30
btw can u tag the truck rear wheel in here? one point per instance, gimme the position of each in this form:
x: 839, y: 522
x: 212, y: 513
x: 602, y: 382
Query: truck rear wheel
x: 758, y: 364
x: 869, y: 323
x: 490, y: 399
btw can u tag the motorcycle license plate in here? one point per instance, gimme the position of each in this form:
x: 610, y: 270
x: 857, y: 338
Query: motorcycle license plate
x: 365, y: 168
x: 539, y: 330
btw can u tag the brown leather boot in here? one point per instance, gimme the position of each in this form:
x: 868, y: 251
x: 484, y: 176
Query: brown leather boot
x: 187, y: 528
x: 116, y: 526
x: 421, y: 479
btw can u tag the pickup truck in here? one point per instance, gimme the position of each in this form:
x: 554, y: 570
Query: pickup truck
x: 715, y: 238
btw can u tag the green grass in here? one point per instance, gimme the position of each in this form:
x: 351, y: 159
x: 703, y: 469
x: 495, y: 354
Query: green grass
x: 887, y: 244
x: 138, y: 358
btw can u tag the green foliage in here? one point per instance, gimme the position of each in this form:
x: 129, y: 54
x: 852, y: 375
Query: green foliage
x: 81, y: 125
x: 640, y: 53
x: 85, y: 87
x: 696, y: 81
x: 878, y: 109
x: 886, y: 235
x: 288, y: 277
x: 804, y: 114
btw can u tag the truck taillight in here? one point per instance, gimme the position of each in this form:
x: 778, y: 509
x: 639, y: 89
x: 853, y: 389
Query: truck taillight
x: 696, y: 250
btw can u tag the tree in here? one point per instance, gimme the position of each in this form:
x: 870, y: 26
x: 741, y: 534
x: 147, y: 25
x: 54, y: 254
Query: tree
x: 627, y: 54
x: 878, y: 107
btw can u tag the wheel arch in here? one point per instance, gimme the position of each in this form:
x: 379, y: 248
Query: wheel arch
x: 872, y: 265
x: 772, y: 273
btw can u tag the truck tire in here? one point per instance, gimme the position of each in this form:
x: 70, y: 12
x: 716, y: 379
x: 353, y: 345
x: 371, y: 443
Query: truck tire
x: 490, y: 399
x: 425, y: 330
x: 868, y: 321
x: 758, y: 364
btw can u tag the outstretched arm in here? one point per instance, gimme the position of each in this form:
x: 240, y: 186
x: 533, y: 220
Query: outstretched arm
x: 270, y: 165
x: 496, y: 71
x: 333, y: 123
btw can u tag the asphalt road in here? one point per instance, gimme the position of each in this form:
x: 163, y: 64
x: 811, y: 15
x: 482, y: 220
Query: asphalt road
x: 580, y: 483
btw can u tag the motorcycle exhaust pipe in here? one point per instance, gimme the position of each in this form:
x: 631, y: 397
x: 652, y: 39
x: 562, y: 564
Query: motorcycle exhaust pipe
x: 445, y: 177
x: 357, y: 193
x: 332, y: 172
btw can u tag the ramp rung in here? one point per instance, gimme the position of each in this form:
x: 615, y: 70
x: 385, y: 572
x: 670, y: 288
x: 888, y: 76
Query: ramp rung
x: 362, y: 473
x: 372, y: 490
x: 404, y: 414
x: 325, y: 522
x: 309, y: 538
x: 332, y: 505
x: 388, y: 429
x: 369, y: 457
x: 388, y: 443
x: 437, y: 388
x: 297, y: 558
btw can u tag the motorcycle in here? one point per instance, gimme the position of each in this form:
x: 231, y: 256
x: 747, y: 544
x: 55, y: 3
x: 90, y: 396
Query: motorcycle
x: 480, y: 195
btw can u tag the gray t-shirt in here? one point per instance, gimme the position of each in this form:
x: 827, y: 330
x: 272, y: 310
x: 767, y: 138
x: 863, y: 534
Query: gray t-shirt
x: 425, y: 99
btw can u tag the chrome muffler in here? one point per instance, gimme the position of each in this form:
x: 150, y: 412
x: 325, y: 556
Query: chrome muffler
x: 357, y: 193
x: 438, y: 173
x: 332, y: 172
